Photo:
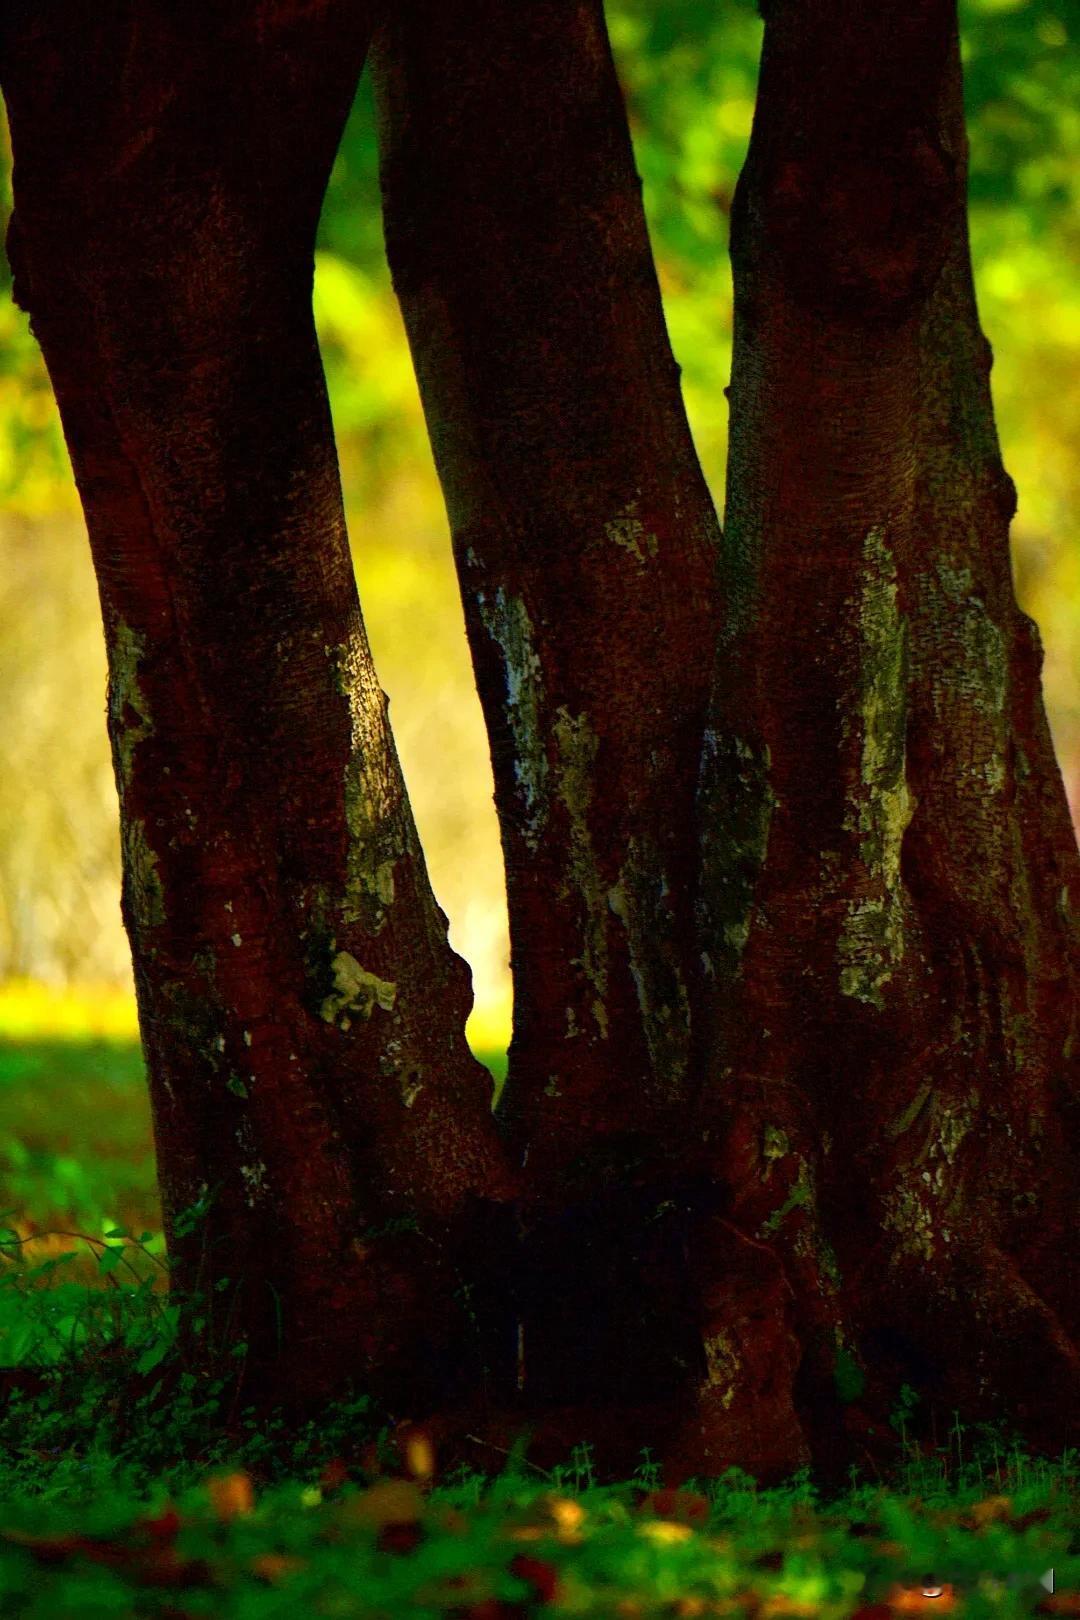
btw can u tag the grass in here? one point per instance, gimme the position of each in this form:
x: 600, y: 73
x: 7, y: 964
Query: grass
x: 114, y: 1502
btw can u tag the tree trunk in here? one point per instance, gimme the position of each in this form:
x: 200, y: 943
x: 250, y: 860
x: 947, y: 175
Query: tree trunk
x: 301, y: 1011
x: 777, y: 1160
x: 890, y: 875
x: 585, y: 541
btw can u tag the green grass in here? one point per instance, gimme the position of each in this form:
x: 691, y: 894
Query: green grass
x: 119, y: 1494
x: 75, y: 1137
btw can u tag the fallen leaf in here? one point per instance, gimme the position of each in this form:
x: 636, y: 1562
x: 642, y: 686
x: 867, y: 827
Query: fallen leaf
x: 419, y: 1454
x: 665, y: 1531
x: 989, y: 1509
x: 163, y: 1526
x: 399, y: 1538
x: 560, y: 1516
x: 542, y: 1577
x: 165, y: 1568
x: 334, y: 1475
x: 683, y: 1507
x: 231, y: 1495
x: 567, y: 1513
x: 388, y: 1501
x: 276, y: 1567
x: 449, y: 1518
x: 460, y: 1592
x: 912, y: 1600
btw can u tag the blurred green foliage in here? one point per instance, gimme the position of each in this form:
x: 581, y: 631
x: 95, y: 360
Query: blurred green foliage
x: 688, y: 68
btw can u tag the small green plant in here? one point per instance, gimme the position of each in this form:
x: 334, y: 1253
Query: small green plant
x: 648, y: 1470
x: 45, y: 1314
x: 906, y: 1402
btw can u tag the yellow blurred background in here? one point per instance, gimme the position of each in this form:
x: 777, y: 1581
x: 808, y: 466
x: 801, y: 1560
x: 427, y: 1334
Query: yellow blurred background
x: 689, y: 77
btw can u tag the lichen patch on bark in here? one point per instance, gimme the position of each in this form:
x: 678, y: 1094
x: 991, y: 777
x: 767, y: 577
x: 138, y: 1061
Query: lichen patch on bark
x: 142, y: 879
x: 254, y: 1179
x: 774, y: 1145
x: 721, y: 1365
x: 800, y: 1192
x: 376, y: 841
x: 355, y: 991
x: 626, y: 529
x: 949, y: 1123
x: 905, y: 1212
x: 129, y: 711
x: 506, y: 620
x: 871, y: 942
x: 984, y: 655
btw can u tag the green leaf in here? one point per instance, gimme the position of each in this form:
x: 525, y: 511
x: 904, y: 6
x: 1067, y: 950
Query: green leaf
x: 152, y: 1356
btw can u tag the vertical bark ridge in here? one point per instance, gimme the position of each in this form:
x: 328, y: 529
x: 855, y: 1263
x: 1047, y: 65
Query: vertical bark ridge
x: 585, y: 543
x: 301, y: 1011
x: 583, y: 534
x: 889, y: 867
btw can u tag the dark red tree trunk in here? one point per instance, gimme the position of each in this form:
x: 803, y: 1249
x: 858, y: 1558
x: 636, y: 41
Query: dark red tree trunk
x: 886, y: 863
x: 301, y: 1011
x: 890, y: 873
x: 780, y: 1153
x: 584, y: 535
x: 585, y: 542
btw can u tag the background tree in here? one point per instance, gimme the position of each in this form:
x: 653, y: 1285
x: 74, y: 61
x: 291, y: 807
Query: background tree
x: 688, y: 72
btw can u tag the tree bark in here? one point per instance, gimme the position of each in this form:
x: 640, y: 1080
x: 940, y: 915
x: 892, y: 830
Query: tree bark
x: 585, y: 542
x: 890, y: 878
x: 301, y: 1011
x: 794, y: 1080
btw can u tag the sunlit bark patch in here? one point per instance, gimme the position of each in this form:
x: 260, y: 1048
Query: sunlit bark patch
x: 142, y: 877
x: 627, y: 530
x: 507, y: 621
x: 871, y: 942
x: 355, y: 991
x: 129, y: 710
